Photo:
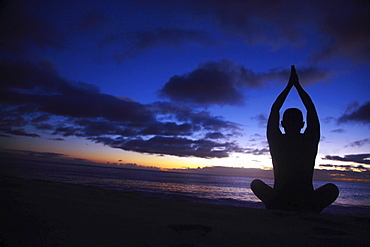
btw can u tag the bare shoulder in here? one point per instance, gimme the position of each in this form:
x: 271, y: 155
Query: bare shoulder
x: 312, y: 134
x: 274, y: 135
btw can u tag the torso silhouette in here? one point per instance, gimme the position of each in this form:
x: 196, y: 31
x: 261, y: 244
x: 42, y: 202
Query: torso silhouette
x: 293, y: 158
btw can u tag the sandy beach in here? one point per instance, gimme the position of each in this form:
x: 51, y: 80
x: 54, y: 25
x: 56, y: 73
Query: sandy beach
x: 43, y: 213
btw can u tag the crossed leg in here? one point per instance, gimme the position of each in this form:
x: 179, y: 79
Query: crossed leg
x: 324, y: 196
x: 264, y: 192
x: 313, y: 202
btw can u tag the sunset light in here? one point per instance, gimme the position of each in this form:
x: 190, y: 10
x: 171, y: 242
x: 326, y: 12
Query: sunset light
x: 122, y: 83
x: 184, y: 123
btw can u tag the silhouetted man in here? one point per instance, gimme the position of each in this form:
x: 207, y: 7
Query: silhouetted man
x: 293, y: 157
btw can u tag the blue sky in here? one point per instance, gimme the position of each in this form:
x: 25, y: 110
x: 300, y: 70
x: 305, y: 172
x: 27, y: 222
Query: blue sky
x: 178, y: 84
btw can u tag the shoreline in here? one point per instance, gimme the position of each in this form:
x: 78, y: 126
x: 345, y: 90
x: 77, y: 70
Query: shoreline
x: 46, y: 213
x: 358, y: 205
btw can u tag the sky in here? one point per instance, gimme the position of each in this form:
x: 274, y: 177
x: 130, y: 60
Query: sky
x: 182, y: 84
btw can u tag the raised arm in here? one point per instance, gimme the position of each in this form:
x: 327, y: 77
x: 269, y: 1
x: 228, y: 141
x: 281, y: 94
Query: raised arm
x: 274, y: 118
x: 313, y: 124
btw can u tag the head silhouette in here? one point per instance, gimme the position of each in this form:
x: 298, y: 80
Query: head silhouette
x: 292, y: 120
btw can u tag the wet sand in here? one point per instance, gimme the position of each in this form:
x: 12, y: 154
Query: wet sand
x: 43, y: 213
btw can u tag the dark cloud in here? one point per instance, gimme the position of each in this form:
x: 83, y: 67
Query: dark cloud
x: 40, y: 119
x: 68, y: 131
x: 338, y: 131
x: 23, y: 32
x: 95, y: 106
x: 265, y: 21
x: 134, y: 42
x: 206, y: 86
x: 261, y: 119
x: 201, y: 120
x: 341, y: 31
x: 40, y: 85
x: 358, y: 158
x: 346, y: 30
x: 359, y: 143
x: 10, y: 119
x: 57, y: 139
x: 215, y: 135
x: 35, y: 95
x: 21, y: 132
x: 44, y: 126
x: 168, y: 129
x: 37, y: 78
x: 178, y: 146
x: 356, y: 113
x: 27, y: 156
x: 36, y: 154
x: 95, y: 127
x: 221, y: 83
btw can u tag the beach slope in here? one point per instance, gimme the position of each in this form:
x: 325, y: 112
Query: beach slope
x: 43, y: 213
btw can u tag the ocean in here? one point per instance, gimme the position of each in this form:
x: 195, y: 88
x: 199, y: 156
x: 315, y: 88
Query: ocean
x: 354, y: 198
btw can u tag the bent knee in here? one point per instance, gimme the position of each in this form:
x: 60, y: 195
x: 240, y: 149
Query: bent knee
x: 334, y: 189
x: 328, y: 192
x: 256, y: 184
x: 331, y: 188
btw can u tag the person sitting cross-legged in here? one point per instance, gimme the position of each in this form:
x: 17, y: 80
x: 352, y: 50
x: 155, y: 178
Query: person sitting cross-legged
x: 293, y: 157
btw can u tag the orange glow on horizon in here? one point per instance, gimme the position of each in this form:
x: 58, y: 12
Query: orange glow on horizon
x: 79, y: 148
